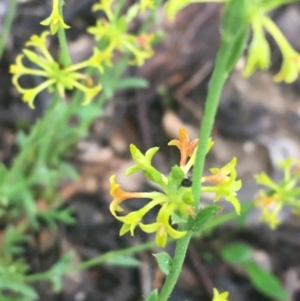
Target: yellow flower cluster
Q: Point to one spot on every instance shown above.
(176, 199)
(56, 76)
(259, 50)
(279, 195)
(113, 34)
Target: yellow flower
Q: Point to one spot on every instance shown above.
(145, 4)
(55, 20)
(219, 297)
(185, 146)
(56, 76)
(116, 37)
(259, 50)
(289, 69)
(291, 59)
(226, 184)
(105, 5)
(270, 206)
(162, 226)
(119, 196)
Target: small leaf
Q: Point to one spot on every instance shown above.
(133, 169)
(150, 153)
(164, 261)
(133, 82)
(236, 253)
(154, 175)
(265, 282)
(124, 261)
(204, 216)
(152, 296)
(137, 155)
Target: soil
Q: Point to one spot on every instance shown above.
(258, 122)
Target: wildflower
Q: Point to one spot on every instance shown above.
(259, 50)
(106, 7)
(271, 207)
(120, 195)
(185, 146)
(162, 227)
(146, 4)
(226, 184)
(218, 296)
(187, 149)
(176, 200)
(115, 36)
(131, 220)
(56, 76)
(291, 59)
(55, 20)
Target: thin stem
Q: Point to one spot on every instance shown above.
(178, 259)
(229, 51)
(217, 82)
(7, 25)
(94, 261)
(62, 39)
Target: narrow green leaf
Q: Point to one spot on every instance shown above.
(152, 296)
(137, 155)
(204, 216)
(164, 261)
(133, 82)
(133, 169)
(265, 282)
(236, 253)
(123, 261)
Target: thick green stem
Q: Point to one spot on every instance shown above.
(64, 56)
(7, 25)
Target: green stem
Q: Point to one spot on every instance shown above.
(64, 56)
(217, 82)
(94, 261)
(7, 25)
(178, 259)
(232, 43)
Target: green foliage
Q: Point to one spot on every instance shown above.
(264, 281)
(152, 296)
(164, 262)
(124, 261)
(204, 216)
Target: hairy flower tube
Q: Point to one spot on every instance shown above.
(114, 33)
(175, 199)
(55, 20)
(279, 195)
(57, 77)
